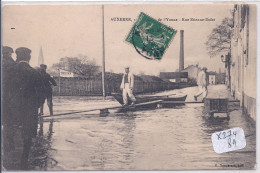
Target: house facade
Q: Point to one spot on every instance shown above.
(213, 78)
(193, 71)
(174, 76)
(243, 58)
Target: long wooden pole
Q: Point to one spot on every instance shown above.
(103, 60)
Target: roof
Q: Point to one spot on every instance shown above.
(211, 73)
(192, 66)
(173, 75)
(148, 78)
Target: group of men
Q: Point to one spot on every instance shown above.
(24, 90)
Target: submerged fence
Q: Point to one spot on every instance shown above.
(86, 87)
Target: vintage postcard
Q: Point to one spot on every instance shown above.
(128, 87)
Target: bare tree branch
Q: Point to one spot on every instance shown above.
(80, 65)
(220, 38)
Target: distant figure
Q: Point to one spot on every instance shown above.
(27, 96)
(202, 84)
(127, 86)
(48, 82)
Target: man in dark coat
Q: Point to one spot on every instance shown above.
(7, 64)
(27, 96)
(48, 82)
(27, 86)
(7, 118)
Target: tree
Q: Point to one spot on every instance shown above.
(220, 38)
(80, 65)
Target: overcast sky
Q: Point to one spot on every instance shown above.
(70, 30)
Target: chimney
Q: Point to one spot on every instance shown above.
(181, 61)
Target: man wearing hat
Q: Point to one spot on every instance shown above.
(48, 82)
(7, 63)
(202, 84)
(127, 85)
(7, 57)
(7, 118)
(27, 86)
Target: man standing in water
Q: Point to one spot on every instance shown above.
(202, 84)
(127, 86)
(48, 82)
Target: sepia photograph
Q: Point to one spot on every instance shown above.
(107, 87)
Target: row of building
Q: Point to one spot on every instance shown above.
(190, 73)
(241, 60)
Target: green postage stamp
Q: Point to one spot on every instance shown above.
(149, 37)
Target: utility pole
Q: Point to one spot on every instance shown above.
(103, 60)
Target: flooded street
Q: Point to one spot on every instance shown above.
(160, 139)
(129, 86)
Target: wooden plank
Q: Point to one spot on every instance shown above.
(137, 105)
(76, 112)
(178, 102)
(97, 109)
(234, 101)
(195, 102)
(146, 103)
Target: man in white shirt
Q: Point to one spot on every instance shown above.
(127, 85)
(202, 84)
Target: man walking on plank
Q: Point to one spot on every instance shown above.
(202, 84)
(127, 86)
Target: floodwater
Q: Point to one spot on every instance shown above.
(161, 139)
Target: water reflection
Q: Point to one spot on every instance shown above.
(115, 144)
(28, 152)
(17, 144)
(212, 124)
(13, 146)
(40, 157)
(127, 133)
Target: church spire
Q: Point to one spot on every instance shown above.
(40, 58)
